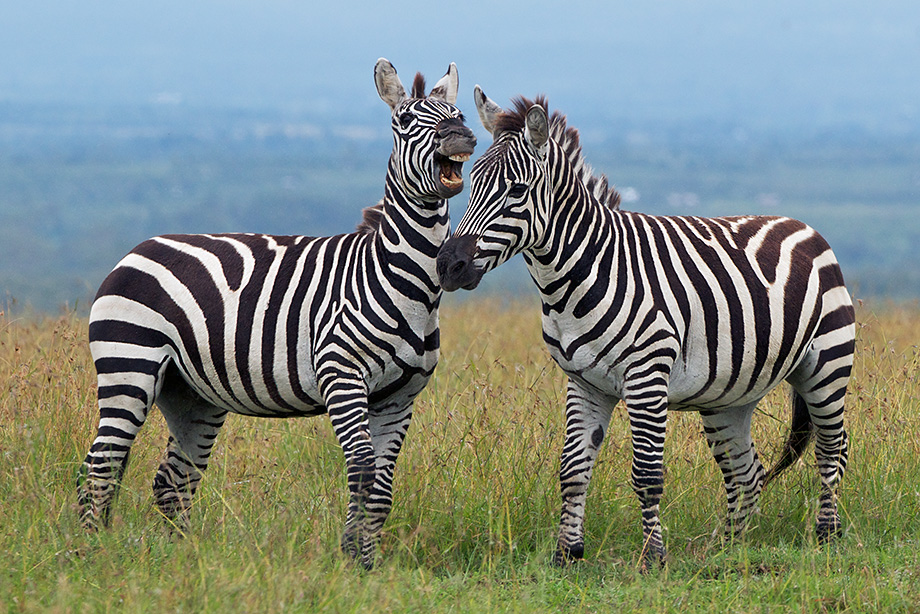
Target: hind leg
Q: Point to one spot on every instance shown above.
(729, 435)
(831, 446)
(821, 380)
(125, 398)
(824, 394)
(193, 427)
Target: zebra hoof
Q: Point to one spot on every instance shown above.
(734, 531)
(829, 530)
(89, 524)
(355, 558)
(652, 558)
(177, 528)
(352, 548)
(568, 555)
(92, 521)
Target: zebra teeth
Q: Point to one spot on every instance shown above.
(451, 169)
(460, 157)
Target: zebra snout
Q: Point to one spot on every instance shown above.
(455, 264)
(455, 126)
(454, 138)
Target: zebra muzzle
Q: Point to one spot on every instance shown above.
(455, 265)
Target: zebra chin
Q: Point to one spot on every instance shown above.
(455, 265)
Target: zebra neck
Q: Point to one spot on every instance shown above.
(578, 230)
(410, 234)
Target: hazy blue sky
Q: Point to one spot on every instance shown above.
(768, 64)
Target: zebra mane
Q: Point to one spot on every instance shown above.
(418, 86)
(567, 138)
(370, 219)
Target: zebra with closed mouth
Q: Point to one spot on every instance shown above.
(679, 313)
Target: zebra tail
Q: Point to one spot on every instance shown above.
(800, 433)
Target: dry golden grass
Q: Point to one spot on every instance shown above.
(476, 502)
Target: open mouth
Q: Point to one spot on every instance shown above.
(451, 170)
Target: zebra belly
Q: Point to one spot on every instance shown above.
(683, 391)
(692, 387)
(385, 390)
(243, 396)
(693, 383)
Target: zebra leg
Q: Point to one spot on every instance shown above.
(586, 421)
(346, 402)
(728, 432)
(387, 427)
(648, 411)
(193, 428)
(821, 379)
(825, 405)
(831, 447)
(125, 398)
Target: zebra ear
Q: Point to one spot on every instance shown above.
(446, 89)
(389, 87)
(536, 129)
(487, 109)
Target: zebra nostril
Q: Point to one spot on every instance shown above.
(457, 267)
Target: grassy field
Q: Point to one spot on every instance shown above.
(476, 502)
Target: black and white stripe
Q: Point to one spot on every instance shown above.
(283, 326)
(681, 313)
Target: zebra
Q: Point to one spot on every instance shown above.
(285, 326)
(663, 312)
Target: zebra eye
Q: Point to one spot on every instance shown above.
(405, 119)
(517, 190)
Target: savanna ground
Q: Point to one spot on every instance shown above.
(476, 496)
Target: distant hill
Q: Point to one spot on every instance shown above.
(80, 186)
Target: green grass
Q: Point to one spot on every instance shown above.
(476, 497)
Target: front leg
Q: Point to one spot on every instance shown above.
(345, 395)
(647, 406)
(586, 419)
(388, 428)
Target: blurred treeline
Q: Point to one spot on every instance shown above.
(79, 187)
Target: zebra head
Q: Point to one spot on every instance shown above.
(509, 189)
(431, 142)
